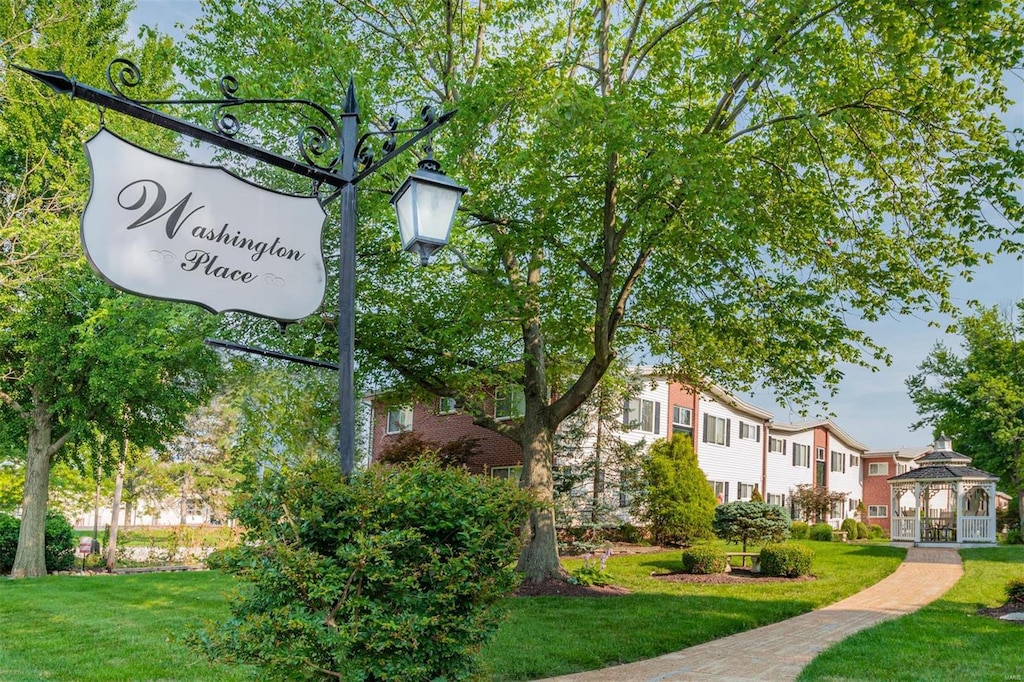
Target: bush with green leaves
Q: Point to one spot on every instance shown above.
(393, 575)
(9, 527)
(704, 560)
(798, 530)
(863, 532)
(876, 532)
(675, 501)
(787, 560)
(755, 523)
(60, 543)
(1015, 591)
(593, 571)
(822, 532)
(58, 548)
(849, 526)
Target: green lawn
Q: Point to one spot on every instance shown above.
(128, 627)
(946, 640)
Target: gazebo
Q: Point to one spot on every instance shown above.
(944, 500)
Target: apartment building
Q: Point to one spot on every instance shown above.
(739, 446)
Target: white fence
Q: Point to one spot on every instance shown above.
(976, 529)
(904, 528)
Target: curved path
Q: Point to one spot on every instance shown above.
(780, 651)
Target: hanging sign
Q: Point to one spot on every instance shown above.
(180, 231)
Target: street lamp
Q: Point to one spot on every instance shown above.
(426, 204)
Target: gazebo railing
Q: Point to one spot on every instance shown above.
(904, 528)
(975, 528)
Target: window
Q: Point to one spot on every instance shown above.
(445, 405)
(507, 473)
(878, 469)
(801, 455)
(509, 403)
(744, 491)
(721, 490)
(901, 469)
(399, 418)
(878, 511)
(779, 500)
(193, 507)
(853, 504)
(682, 416)
(750, 431)
(854, 460)
(716, 430)
(820, 454)
(642, 415)
(838, 461)
(776, 445)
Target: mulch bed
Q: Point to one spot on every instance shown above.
(999, 611)
(736, 575)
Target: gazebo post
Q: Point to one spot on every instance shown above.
(917, 511)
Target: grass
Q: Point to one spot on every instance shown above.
(129, 627)
(109, 628)
(946, 640)
(547, 636)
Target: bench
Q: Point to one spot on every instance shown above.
(839, 536)
(755, 560)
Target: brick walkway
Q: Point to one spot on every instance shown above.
(780, 651)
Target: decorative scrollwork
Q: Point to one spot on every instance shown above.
(226, 122)
(229, 86)
(391, 141)
(128, 75)
(315, 142)
(428, 114)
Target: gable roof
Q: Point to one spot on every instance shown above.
(827, 424)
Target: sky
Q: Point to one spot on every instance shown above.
(872, 407)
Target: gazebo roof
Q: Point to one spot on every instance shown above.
(943, 472)
(943, 464)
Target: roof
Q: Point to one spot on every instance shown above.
(908, 454)
(729, 399)
(943, 472)
(820, 423)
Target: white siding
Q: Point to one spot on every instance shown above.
(848, 482)
(783, 477)
(737, 462)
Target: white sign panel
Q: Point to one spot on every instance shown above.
(179, 231)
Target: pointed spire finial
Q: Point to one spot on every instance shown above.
(351, 104)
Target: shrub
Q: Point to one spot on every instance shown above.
(392, 575)
(1015, 537)
(220, 559)
(9, 527)
(629, 533)
(822, 532)
(798, 530)
(876, 531)
(59, 551)
(849, 526)
(675, 500)
(751, 522)
(59, 542)
(789, 561)
(1015, 591)
(703, 560)
(863, 532)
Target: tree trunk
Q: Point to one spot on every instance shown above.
(30, 559)
(116, 508)
(538, 560)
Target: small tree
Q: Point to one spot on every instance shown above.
(757, 523)
(815, 502)
(410, 446)
(676, 500)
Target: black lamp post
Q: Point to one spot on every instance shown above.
(425, 203)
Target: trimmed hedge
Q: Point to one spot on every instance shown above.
(849, 526)
(822, 532)
(59, 549)
(703, 560)
(876, 531)
(863, 532)
(1015, 591)
(798, 530)
(788, 561)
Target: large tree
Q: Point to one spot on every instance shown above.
(731, 186)
(78, 362)
(976, 396)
